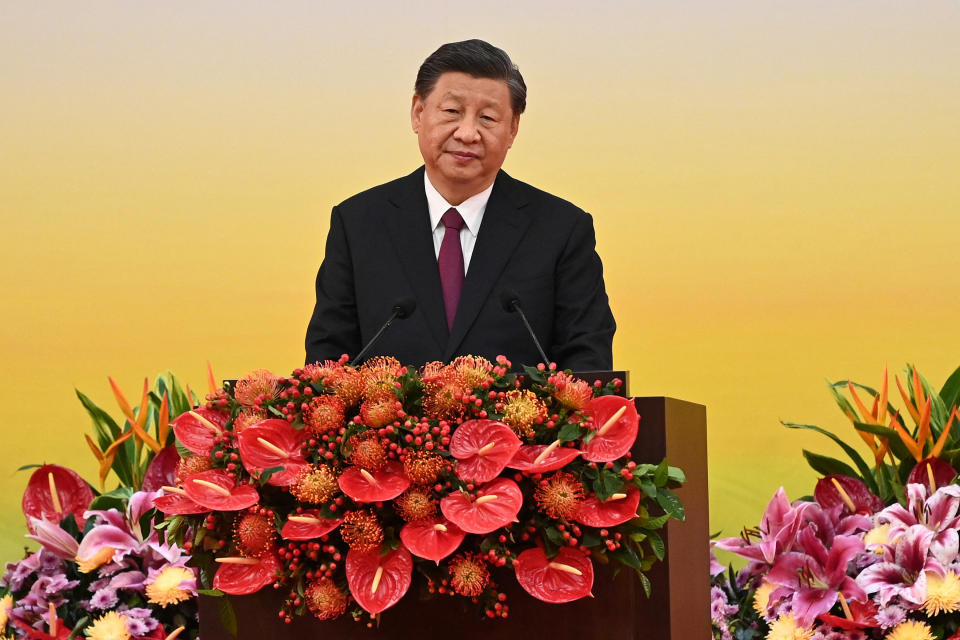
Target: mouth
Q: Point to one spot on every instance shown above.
(463, 156)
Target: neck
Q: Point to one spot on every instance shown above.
(456, 193)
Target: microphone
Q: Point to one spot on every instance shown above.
(402, 308)
(510, 302)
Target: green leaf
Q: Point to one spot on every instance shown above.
(228, 617)
(607, 484)
(649, 489)
(950, 393)
(826, 465)
(105, 428)
(116, 499)
(656, 544)
(645, 581)
(266, 474)
(656, 523)
(893, 438)
(535, 375)
(866, 472)
(671, 504)
(676, 474)
(77, 628)
(213, 593)
(661, 474)
(28, 466)
(628, 556)
(569, 432)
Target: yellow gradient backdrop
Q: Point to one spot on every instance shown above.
(774, 188)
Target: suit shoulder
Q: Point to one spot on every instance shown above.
(375, 196)
(541, 201)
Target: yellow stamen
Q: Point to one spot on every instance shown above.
(274, 448)
(376, 580)
(215, 487)
(485, 448)
(843, 495)
(612, 421)
(546, 452)
(57, 506)
(843, 604)
(176, 490)
(305, 519)
(439, 527)
(616, 496)
(487, 498)
(565, 568)
(238, 560)
(206, 423)
(933, 483)
(175, 633)
(368, 476)
(53, 620)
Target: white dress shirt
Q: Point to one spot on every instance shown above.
(471, 210)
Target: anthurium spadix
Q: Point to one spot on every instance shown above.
(53, 492)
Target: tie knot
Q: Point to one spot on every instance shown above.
(452, 219)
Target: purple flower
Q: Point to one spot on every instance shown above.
(104, 599)
(778, 530)
(132, 580)
(142, 614)
(891, 616)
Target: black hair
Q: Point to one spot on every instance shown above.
(477, 58)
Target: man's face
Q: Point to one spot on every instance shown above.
(465, 127)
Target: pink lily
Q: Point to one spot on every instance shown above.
(777, 533)
(938, 513)
(906, 576)
(816, 576)
(53, 538)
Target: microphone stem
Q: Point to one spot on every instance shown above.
(386, 325)
(533, 335)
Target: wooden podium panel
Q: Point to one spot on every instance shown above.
(679, 608)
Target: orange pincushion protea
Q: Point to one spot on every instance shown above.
(248, 418)
(521, 410)
(361, 531)
(559, 496)
(324, 414)
(254, 534)
(416, 504)
(571, 392)
(441, 388)
(189, 466)
(379, 413)
(325, 372)
(379, 375)
(423, 467)
(367, 451)
(469, 575)
(315, 485)
(257, 383)
(325, 600)
(474, 369)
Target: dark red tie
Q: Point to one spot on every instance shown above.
(450, 262)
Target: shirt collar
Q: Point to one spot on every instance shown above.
(471, 209)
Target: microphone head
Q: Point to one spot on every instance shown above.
(509, 300)
(404, 307)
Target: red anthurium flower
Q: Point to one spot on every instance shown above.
(616, 421)
(198, 428)
(174, 502)
(936, 471)
(540, 458)
(273, 443)
(837, 489)
(568, 577)
(496, 505)
(217, 490)
(241, 576)
(619, 508)
(53, 492)
(432, 538)
(483, 448)
(62, 630)
(862, 615)
(366, 486)
(308, 525)
(162, 470)
(377, 581)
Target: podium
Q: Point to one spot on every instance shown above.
(678, 609)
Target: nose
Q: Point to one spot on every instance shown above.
(467, 131)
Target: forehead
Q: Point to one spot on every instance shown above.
(463, 87)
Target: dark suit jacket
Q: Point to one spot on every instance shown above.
(380, 249)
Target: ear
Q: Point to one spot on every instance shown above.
(416, 111)
(514, 128)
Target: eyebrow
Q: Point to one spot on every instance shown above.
(459, 97)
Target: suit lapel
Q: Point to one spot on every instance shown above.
(504, 224)
(409, 227)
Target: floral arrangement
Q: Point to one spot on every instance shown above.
(341, 486)
(875, 552)
(102, 571)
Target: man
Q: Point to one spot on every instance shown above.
(458, 237)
